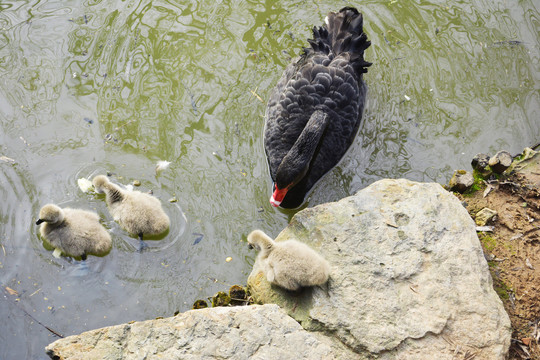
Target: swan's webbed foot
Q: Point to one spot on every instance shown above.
(142, 244)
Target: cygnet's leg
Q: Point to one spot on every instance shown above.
(82, 267)
(325, 287)
(142, 244)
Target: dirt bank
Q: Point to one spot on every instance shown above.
(513, 247)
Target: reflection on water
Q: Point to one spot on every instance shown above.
(118, 86)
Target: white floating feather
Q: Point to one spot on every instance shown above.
(85, 185)
(162, 165)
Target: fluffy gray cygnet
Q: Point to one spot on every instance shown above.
(289, 264)
(75, 232)
(138, 213)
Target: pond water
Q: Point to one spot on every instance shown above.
(89, 87)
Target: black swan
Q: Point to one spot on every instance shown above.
(314, 112)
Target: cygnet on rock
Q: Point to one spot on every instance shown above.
(289, 264)
(75, 232)
(138, 213)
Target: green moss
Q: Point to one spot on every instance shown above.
(502, 290)
(488, 242)
(500, 287)
(477, 185)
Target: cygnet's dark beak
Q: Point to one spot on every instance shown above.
(39, 221)
(250, 246)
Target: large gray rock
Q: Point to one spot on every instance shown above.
(246, 332)
(409, 279)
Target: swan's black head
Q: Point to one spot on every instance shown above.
(286, 178)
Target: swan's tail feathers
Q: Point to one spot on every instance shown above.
(343, 34)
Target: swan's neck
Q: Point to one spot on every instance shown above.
(114, 194)
(264, 243)
(295, 164)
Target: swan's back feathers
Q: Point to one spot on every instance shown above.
(342, 35)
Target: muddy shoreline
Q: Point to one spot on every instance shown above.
(512, 245)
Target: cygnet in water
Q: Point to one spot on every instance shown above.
(138, 213)
(289, 264)
(75, 232)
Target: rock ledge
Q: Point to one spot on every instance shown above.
(245, 332)
(409, 279)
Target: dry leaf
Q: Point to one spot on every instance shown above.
(7, 159)
(488, 189)
(484, 228)
(11, 291)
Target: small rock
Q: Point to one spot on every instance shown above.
(480, 161)
(199, 304)
(484, 216)
(500, 161)
(221, 299)
(238, 295)
(136, 183)
(461, 181)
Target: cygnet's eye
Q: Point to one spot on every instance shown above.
(250, 246)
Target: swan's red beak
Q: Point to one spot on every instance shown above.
(277, 196)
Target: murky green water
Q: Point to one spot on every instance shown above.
(90, 87)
